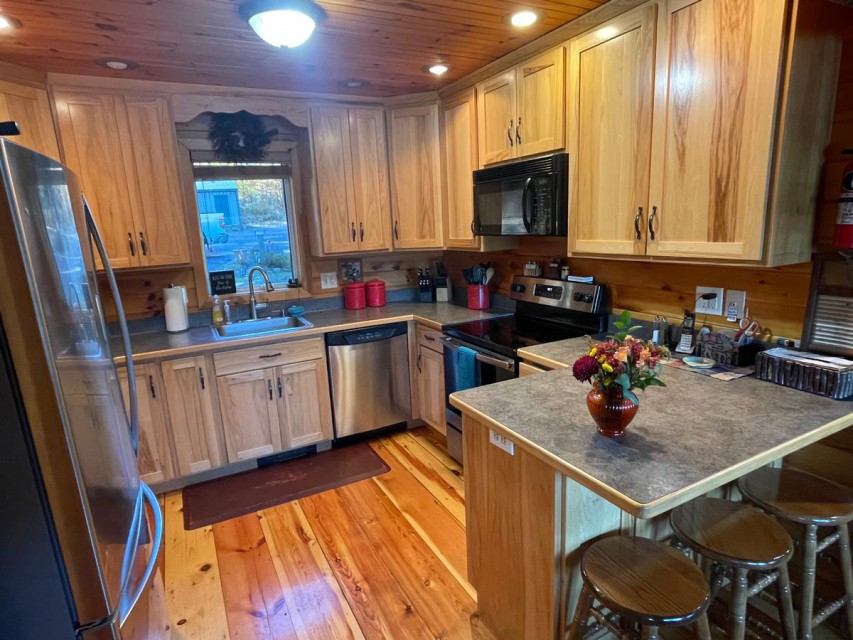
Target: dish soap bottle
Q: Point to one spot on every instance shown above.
(217, 315)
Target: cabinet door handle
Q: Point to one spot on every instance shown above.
(518, 131)
(201, 377)
(279, 386)
(269, 386)
(652, 223)
(420, 370)
(132, 245)
(396, 230)
(509, 133)
(151, 386)
(637, 223)
(361, 231)
(269, 355)
(143, 244)
(353, 231)
(430, 338)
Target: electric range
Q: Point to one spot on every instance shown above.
(546, 311)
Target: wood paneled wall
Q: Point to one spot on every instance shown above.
(776, 297)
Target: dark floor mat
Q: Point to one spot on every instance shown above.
(233, 496)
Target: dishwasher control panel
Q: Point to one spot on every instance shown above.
(371, 334)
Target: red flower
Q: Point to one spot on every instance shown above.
(585, 368)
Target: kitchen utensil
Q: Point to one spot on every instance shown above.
(490, 273)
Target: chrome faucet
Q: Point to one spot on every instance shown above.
(253, 306)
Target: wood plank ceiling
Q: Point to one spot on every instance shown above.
(384, 42)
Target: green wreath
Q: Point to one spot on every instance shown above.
(239, 137)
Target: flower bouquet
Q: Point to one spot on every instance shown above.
(615, 368)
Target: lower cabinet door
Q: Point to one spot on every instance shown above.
(249, 414)
(431, 388)
(187, 388)
(155, 448)
(304, 403)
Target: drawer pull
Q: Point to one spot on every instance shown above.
(652, 223)
(151, 386)
(279, 386)
(429, 337)
(637, 223)
(269, 386)
(420, 369)
(269, 355)
(201, 377)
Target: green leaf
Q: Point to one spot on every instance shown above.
(631, 396)
(624, 381)
(656, 382)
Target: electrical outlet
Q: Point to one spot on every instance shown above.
(710, 307)
(735, 308)
(328, 280)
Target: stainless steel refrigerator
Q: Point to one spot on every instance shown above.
(80, 533)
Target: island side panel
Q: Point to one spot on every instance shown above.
(514, 515)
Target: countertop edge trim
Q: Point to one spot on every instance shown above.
(525, 355)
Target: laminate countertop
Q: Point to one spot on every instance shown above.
(691, 437)
(197, 340)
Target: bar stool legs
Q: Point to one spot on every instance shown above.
(809, 571)
(783, 601)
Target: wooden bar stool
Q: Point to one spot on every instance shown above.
(737, 539)
(814, 502)
(641, 582)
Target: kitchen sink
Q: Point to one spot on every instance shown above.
(262, 325)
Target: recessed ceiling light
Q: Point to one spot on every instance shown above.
(117, 64)
(523, 18)
(8, 24)
(353, 83)
(283, 23)
(438, 69)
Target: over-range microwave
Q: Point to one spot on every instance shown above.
(524, 198)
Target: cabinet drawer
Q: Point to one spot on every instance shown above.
(273, 355)
(429, 339)
(527, 369)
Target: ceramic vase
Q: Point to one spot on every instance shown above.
(610, 409)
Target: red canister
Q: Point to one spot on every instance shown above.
(376, 293)
(354, 296)
(478, 296)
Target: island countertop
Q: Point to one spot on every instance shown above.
(693, 436)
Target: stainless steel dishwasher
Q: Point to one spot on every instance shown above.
(369, 371)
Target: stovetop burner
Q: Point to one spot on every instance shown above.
(546, 311)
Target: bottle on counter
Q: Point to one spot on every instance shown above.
(217, 315)
(226, 311)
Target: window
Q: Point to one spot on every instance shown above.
(246, 219)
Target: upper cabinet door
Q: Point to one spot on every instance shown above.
(496, 118)
(541, 113)
(330, 135)
(460, 158)
(611, 89)
(718, 68)
(153, 170)
(416, 177)
(92, 148)
(30, 108)
(370, 178)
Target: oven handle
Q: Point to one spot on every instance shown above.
(503, 363)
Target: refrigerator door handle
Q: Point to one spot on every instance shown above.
(133, 418)
(156, 543)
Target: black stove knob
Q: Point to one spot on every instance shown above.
(518, 288)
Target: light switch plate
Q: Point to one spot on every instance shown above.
(501, 442)
(328, 280)
(735, 305)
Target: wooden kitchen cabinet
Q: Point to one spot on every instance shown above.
(304, 406)
(721, 178)
(521, 112)
(249, 416)
(30, 108)
(430, 379)
(611, 93)
(155, 447)
(460, 161)
(123, 150)
(416, 177)
(351, 165)
(189, 397)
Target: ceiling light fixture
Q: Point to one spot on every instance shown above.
(283, 23)
(8, 24)
(117, 64)
(523, 18)
(438, 69)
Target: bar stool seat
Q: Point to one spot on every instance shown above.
(814, 502)
(737, 538)
(642, 582)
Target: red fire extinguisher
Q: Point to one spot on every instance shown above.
(844, 224)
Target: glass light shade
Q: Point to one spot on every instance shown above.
(438, 69)
(283, 27)
(523, 18)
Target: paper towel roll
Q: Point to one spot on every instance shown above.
(175, 299)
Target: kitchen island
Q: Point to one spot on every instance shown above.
(541, 483)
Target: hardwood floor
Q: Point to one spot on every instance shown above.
(382, 558)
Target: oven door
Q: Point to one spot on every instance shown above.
(490, 368)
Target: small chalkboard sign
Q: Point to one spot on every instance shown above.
(222, 282)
